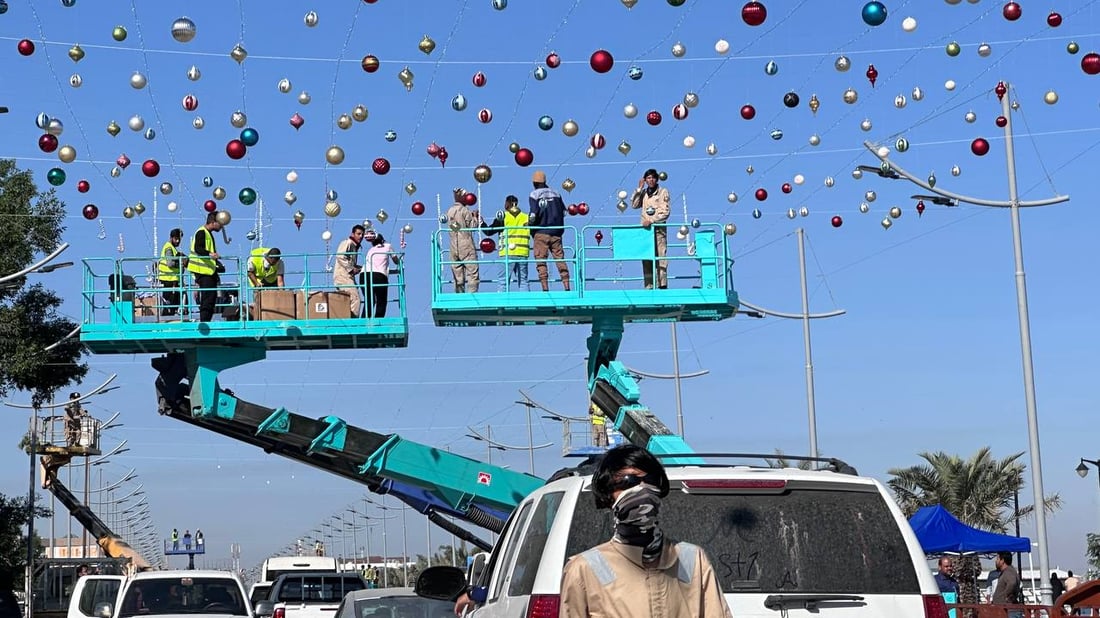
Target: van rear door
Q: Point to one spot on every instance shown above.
(93, 590)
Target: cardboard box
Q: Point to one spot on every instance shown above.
(339, 305)
(146, 306)
(316, 306)
(275, 304)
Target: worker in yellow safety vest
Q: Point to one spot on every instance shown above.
(515, 245)
(599, 425)
(265, 268)
(203, 265)
(170, 273)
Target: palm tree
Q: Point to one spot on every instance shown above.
(979, 491)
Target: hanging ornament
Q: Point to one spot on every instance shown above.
(136, 123)
(483, 173)
(909, 24)
(299, 216)
(238, 53)
(198, 122)
(850, 96)
(756, 214)
(418, 208)
(568, 185)
(1090, 63)
(370, 63)
(712, 149)
(895, 212)
(76, 53)
(479, 79)
(75, 80)
(426, 45)
(194, 73)
(553, 60)
(165, 188)
(678, 50)
(290, 198)
(183, 30)
(920, 208)
(955, 170)
(238, 119)
(297, 121)
(932, 179)
(791, 214)
(601, 61)
(918, 94)
(777, 134)
(899, 101)
(761, 194)
(842, 64)
(382, 216)
(1051, 97)
(979, 146)
(359, 113)
(970, 116)
(771, 68)
(1012, 11)
(886, 223)
(119, 33)
(390, 136)
(857, 173)
(406, 77)
(653, 118)
(123, 161)
(864, 208)
(1054, 19)
(984, 50)
(953, 49)
(219, 193)
(872, 74)
(90, 212)
(570, 128)
(332, 209)
(829, 182)
(624, 147)
(870, 196)
(334, 155)
(343, 121)
(150, 168)
(247, 196)
(754, 13)
(814, 104)
(598, 237)
(524, 157)
(791, 99)
(235, 149)
(630, 110)
(874, 13)
(901, 145)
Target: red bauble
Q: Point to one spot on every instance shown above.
(786, 188)
(25, 47)
(1012, 11)
(598, 141)
(418, 208)
(487, 245)
(235, 149)
(469, 198)
(748, 112)
(761, 194)
(754, 13)
(209, 205)
(1091, 63)
(553, 60)
(582, 209)
(479, 79)
(190, 102)
(380, 166)
(1054, 19)
(979, 146)
(434, 149)
(91, 211)
(150, 168)
(837, 221)
(653, 118)
(601, 61)
(485, 115)
(83, 186)
(297, 121)
(370, 63)
(524, 157)
(47, 143)
(1001, 121)
(572, 209)
(920, 207)
(1000, 90)
(679, 111)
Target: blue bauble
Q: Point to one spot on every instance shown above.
(500, 5)
(874, 13)
(635, 73)
(546, 123)
(391, 136)
(250, 137)
(3, 7)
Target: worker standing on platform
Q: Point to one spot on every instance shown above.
(377, 264)
(175, 539)
(654, 200)
(187, 540)
(74, 414)
(203, 266)
(515, 245)
(170, 273)
(599, 425)
(265, 268)
(199, 540)
(345, 274)
(463, 221)
(547, 221)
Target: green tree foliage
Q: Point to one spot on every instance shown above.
(1092, 550)
(32, 224)
(979, 491)
(13, 538)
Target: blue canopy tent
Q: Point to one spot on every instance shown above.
(940, 533)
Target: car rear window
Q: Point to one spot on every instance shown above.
(317, 588)
(402, 607)
(800, 541)
(183, 595)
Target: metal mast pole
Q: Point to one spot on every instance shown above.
(29, 587)
(811, 406)
(676, 381)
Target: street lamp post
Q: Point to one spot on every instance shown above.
(1014, 204)
(1083, 471)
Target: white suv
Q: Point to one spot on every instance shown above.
(783, 541)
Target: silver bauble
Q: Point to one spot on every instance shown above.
(284, 85)
(870, 196)
(630, 110)
(895, 212)
(194, 73)
(183, 30)
(864, 207)
(238, 119)
(198, 122)
(136, 123)
(842, 64)
(304, 98)
(138, 81)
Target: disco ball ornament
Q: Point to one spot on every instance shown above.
(390, 136)
(524, 157)
(138, 81)
(1050, 98)
(630, 110)
(771, 68)
(183, 30)
(895, 212)
(370, 63)
(546, 123)
(56, 176)
(842, 64)
(136, 123)
(850, 96)
(634, 73)
(198, 122)
(334, 155)
(67, 154)
(653, 118)
(874, 13)
(483, 173)
(748, 112)
(601, 61)
(678, 50)
(540, 73)
(119, 33)
(984, 50)
(1012, 11)
(150, 168)
(458, 103)
(979, 147)
(238, 119)
(247, 196)
(570, 128)
(754, 13)
(194, 73)
(90, 211)
(235, 149)
(332, 209)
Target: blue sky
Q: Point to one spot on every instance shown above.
(926, 358)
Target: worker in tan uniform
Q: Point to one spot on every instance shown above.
(653, 200)
(463, 223)
(638, 573)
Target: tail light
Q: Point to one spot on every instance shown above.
(544, 606)
(280, 612)
(934, 606)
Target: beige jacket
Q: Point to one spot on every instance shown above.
(659, 201)
(609, 581)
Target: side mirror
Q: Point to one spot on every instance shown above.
(104, 610)
(441, 583)
(264, 608)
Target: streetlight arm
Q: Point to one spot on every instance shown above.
(46, 260)
(1057, 199)
(792, 316)
(505, 447)
(97, 390)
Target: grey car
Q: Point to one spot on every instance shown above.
(392, 603)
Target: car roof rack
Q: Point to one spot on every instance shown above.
(832, 463)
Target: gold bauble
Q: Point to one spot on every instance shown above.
(483, 173)
(224, 217)
(344, 121)
(334, 155)
(76, 53)
(426, 45)
(513, 147)
(332, 209)
(67, 154)
(219, 193)
(128, 212)
(359, 114)
(568, 184)
(139, 208)
(570, 128)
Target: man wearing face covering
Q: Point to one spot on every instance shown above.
(638, 573)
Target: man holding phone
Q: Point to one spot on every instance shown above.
(653, 200)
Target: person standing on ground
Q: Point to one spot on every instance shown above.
(463, 250)
(377, 264)
(203, 266)
(639, 572)
(345, 273)
(1009, 589)
(945, 577)
(170, 273)
(653, 200)
(547, 222)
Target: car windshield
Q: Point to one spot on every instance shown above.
(183, 595)
(400, 607)
(799, 541)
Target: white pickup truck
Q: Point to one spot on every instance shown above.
(168, 594)
(308, 595)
